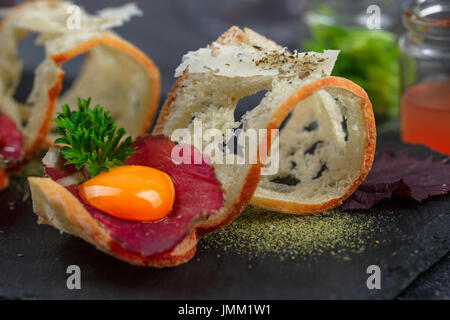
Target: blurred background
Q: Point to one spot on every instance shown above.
(387, 47)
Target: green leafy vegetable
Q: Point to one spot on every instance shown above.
(370, 58)
(92, 138)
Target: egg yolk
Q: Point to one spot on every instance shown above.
(135, 193)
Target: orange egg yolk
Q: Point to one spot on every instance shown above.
(135, 193)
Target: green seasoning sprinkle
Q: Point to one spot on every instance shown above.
(287, 63)
(257, 232)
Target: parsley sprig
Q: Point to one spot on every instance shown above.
(92, 139)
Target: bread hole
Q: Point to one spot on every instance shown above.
(232, 144)
(31, 55)
(288, 179)
(319, 173)
(293, 164)
(243, 106)
(248, 103)
(311, 150)
(192, 119)
(344, 127)
(72, 69)
(313, 126)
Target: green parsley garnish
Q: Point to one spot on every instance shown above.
(92, 138)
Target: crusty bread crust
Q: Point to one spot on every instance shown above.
(33, 148)
(236, 36)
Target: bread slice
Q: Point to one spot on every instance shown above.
(115, 73)
(327, 142)
(57, 207)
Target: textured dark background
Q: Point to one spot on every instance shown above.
(410, 265)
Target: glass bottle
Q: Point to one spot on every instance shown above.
(425, 74)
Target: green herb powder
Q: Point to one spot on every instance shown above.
(258, 232)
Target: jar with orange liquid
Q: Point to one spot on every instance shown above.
(425, 74)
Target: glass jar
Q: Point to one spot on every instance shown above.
(425, 74)
(369, 53)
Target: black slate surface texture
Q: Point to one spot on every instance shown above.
(432, 284)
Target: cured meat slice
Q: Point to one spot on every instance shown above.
(197, 195)
(11, 143)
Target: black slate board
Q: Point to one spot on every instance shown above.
(421, 239)
(432, 284)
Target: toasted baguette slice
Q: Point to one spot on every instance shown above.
(56, 204)
(115, 73)
(57, 207)
(326, 146)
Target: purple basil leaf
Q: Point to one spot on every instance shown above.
(394, 172)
